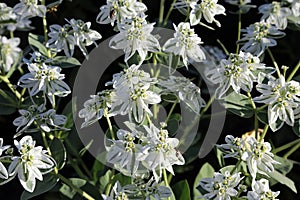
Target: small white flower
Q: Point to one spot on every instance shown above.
(185, 44)
(261, 190)
(26, 119)
(234, 147)
(30, 8)
(208, 9)
(83, 34)
(132, 93)
(237, 72)
(119, 10)
(3, 170)
(135, 37)
(162, 153)
(50, 121)
(61, 39)
(258, 157)
(259, 36)
(10, 52)
(94, 108)
(275, 14)
(281, 97)
(46, 79)
(295, 7)
(186, 91)
(32, 163)
(221, 186)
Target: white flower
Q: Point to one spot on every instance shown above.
(119, 10)
(135, 37)
(46, 79)
(132, 94)
(295, 7)
(221, 186)
(237, 72)
(281, 97)
(258, 157)
(208, 9)
(186, 90)
(3, 170)
(259, 36)
(22, 23)
(117, 192)
(32, 163)
(243, 5)
(162, 153)
(83, 34)
(275, 14)
(234, 147)
(185, 44)
(125, 153)
(61, 39)
(94, 108)
(261, 190)
(50, 121)
(10, 52)
(26, 119)
(30, 8)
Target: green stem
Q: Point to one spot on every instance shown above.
(11, 34)
(161, 12)
(239, 32)
(274, 62)
(264, 133)
(292, 150)
(210, 101)
(78, 190)
(255, 114)
(236, 166)
(48, 148)
(11, 87)
(223, 47)
(43, 2)
(109, 123)
(293, 72)
(166, 180)
(286, 146)
(75, 166)
(168, 13)
(108, 187)
(171, 111)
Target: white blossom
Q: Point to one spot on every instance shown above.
(275, 14)
(261, 190)
(46, 79)
(186, 91)
(185, 44)
(162, 153)
(30, 8)
(133, 93)
(258, 157)
(119, 10)
(32, 163)
(135, 37)
(234, 147)
(258, 37)
(282, 99)
(207, 9)
(10, 52)
(221, 186)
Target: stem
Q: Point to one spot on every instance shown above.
(274, 62)
(108, 187)
(293, 72)
(161, 12)
(11, 34)
(78, 190)
(48, 148)
(76, 168)
(255, 115)
(166, 180)
(292, 150)
(223, 47)
(239, 32)
(286, 146)
(171, 111)
(208, 105)
(43, 2)
(236, 166)
(11, 87)
(168, 13)
(264, 133)
(109, 124)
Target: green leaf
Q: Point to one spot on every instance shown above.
(220, 156)
(206, 171)
(169, 97)
(296, 128)
(173, 123)
(124, 180)
(58, 152)
(239, 104)
(105, 180)
(262, 116)
(49, 181)
(8, 103)
(283, 180)
(182, 190)
(285, 165)
(36, 42)
(65, 62)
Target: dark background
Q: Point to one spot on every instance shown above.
(286, 53)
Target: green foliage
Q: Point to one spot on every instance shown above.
(181, 190)
(58, 152)
(239, 104)
(206, 171)
(8, 103)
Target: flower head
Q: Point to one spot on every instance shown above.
(185, 44)
(259, 36)
(221, 186)
(261, 190)
(30, 8)
(234, 147)
(10, 53)
(32, 163)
